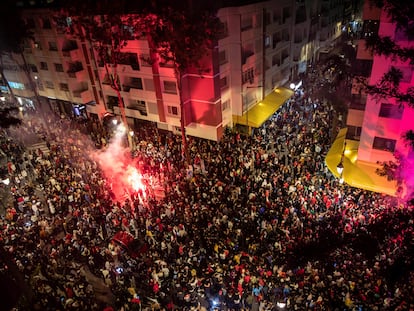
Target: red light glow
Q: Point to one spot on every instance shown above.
(135, 179)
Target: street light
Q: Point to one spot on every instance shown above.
(340, 166)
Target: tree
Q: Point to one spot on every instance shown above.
(183, 36)
(402, 14)
(108, 34)
(388, 86)
(178, 32)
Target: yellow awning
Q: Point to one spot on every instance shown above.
(356, 173)
(259, 113)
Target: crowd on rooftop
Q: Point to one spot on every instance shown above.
(248, 223)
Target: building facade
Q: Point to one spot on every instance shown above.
(266, 45)
(375, 126)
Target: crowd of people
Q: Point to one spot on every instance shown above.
(246, 223)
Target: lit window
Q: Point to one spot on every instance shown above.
(16, 85)
(222, 57)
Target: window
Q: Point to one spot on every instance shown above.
(391, 111)
(170, 87)
(285, 55)
(30, 23)
(132, 82)
(111, 101)
(246, 23)
(370, 28)
(130, 59)
(223, 83)
(145, 60)
(224, 31)
(286, 14)
(354, 132)
(37, 45)
(248, 76)
(247, 51)
(402, 35)
(300, 15)
(40, 85)
(43, 66)
(49, 85)
(46, 23)
(173, 110)
(276, 39)
(32, 67)
(58, 67)
(16, 85)
(225, 105)
(285, 35)
(222, 57)
(276, 16)
(276, 60)
(384, 144)
(64, 87)
(52, 46)
(267, 18)
(138, 105)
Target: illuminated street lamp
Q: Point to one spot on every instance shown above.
(340, 168)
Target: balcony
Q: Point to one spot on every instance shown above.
(83, 96)
(76, 71)
(74, 55)
(137, 93)
(78, 75)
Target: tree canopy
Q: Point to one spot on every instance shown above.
(401, 13)
(388, 86)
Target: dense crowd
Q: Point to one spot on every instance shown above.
(248, 223)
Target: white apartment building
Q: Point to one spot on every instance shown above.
(265, 47)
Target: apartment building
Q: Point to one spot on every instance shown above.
(375, 127)
(266, 46)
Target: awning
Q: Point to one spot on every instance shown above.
(356, 173)
(262, 111)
